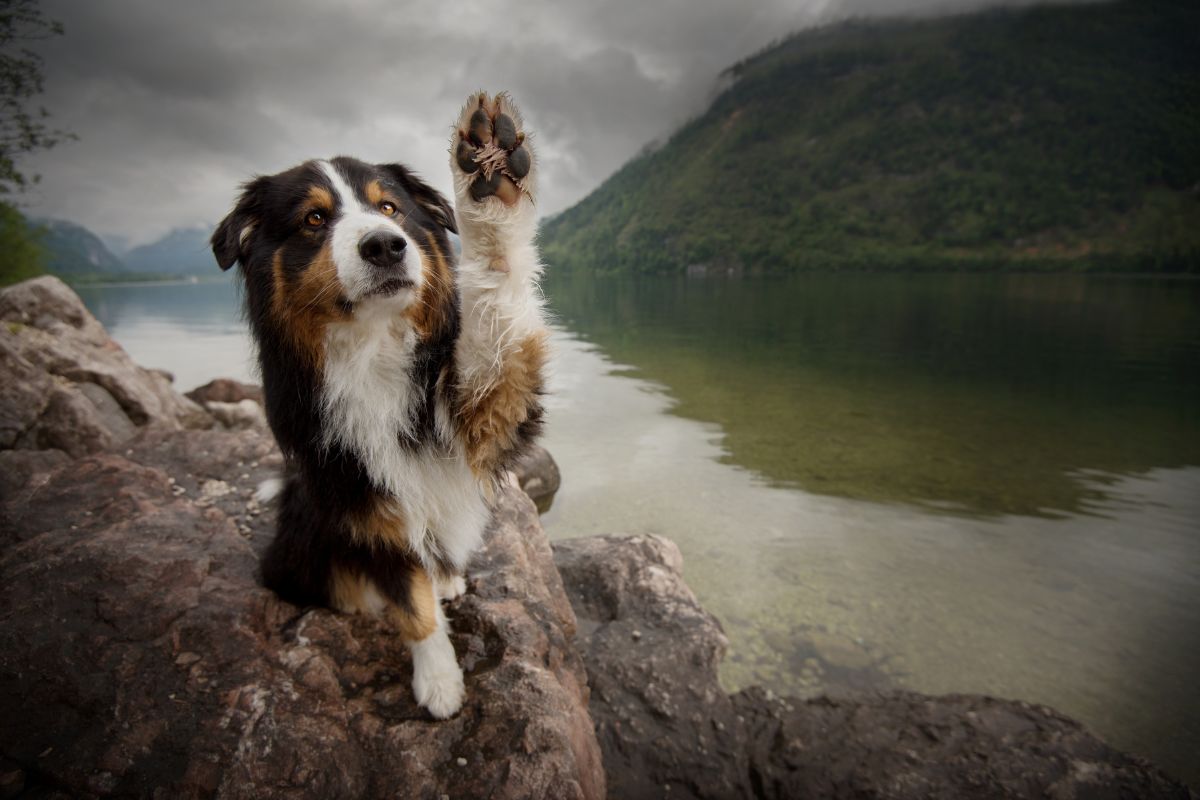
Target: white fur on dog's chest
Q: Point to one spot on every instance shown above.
(368, 401)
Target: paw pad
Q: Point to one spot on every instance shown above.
(490, 143)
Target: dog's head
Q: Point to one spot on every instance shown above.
(327, 238)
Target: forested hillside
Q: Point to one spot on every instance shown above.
(1052, 137)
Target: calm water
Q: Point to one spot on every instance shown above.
(945, 483)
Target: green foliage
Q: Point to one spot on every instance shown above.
(21, 254)
(1040, 138)
(23, 128)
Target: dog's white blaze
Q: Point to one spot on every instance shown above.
(356, 220)
(368, 404)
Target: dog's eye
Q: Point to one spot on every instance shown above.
(388, 208)
(315, 219)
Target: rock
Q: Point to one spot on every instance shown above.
(538, 477)
(668, 731)
(53, 331)
(21, 468)
(652, 654)
(232, 403)
(108, 411)
(907, 745)
(69, 422)
(139, 655)
(239, 416)
(225, 390)
(839, 651)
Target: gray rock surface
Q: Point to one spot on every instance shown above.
(539, 477)
(225, 390)
(72, 387)
(667, 729)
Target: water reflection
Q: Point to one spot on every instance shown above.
(194, 331)
(974, 394)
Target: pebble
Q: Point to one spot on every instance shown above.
(462, 762)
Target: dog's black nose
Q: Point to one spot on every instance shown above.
(384, 249)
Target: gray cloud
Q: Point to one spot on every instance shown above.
(177, 103)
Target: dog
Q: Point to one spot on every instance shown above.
(400, 382)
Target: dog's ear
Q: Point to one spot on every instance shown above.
(428, 198)
(230, 238)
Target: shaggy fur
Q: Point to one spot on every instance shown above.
(398, 384)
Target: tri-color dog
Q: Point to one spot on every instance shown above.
(399, 383)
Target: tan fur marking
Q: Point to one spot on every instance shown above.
(375, 193)
(351, 593)
(489, 424)
(381, 526)
(421, 621)
(320, 198)
(303, 306)
(348, 592)
(429, 314)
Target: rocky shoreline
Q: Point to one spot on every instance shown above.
(139, 657)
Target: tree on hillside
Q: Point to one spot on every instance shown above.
(24, 128)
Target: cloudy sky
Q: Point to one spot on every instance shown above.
(176, 103)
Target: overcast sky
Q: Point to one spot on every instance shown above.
(176, 103)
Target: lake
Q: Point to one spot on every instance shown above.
(942, 482)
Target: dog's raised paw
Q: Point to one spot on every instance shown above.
(491, 150)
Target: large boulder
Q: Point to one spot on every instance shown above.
(665, 725)
(72, 387)
(668, 731)
(909, 745)
(140, 657)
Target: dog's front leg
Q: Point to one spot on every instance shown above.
(501, 350)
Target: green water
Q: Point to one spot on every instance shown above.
(984, 395)
(939, 482)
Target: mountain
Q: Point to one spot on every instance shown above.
(73, 250)
(1043, 137)
(182, 251)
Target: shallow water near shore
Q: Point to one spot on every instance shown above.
(939, 482)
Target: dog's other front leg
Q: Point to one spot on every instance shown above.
(502, 348)
(437, 678)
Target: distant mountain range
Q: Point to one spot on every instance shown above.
(183, 251)
(74, 251)
(1037, 138)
